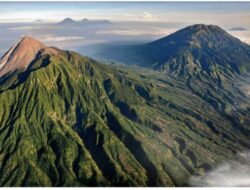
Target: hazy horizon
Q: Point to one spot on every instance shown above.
(131, 21)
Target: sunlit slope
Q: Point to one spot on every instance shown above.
(70, 121)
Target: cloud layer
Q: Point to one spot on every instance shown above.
(74, 38)
(62, 38)
(242, 35)
(228, 174)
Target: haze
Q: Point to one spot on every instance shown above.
(130, 22)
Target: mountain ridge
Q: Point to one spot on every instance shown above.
(85, 21)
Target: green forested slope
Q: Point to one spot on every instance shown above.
(70, 121)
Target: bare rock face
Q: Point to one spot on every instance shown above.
(22, 54)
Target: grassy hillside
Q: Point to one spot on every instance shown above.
(70, 121)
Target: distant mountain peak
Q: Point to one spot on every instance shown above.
(67, 21)
(85, 20)
(19, 56)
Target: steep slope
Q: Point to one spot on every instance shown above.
(22, 54)
(68, 120)
(197, 49)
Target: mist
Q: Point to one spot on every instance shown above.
(86, 39)
(228, 174)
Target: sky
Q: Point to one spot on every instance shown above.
(131, 21)
(221, 13)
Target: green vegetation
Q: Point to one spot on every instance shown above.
(71, 121)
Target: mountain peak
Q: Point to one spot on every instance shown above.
(85, 20)
(200, 35)
(66, 21)
(21, 55)
(199, 47)
(33, 43)
(202, 29)
(193, 50)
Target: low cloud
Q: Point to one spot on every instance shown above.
(148, 15)
(25, 28)
(138, 32)
(144, 16)
(244, 36)
(228, 174)
(121, 32)
(62, 38)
